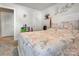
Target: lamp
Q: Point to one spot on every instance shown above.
(47, 16)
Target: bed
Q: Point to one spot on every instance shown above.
(49, 42)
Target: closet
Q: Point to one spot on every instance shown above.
(6, 22)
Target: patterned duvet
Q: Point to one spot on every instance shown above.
(50, 42)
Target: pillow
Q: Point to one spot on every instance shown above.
(57, 25)
(67, 25)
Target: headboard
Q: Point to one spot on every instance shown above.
(66, 25)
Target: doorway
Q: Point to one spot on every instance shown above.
(6, 22)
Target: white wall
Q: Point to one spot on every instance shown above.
(63, 13)
(37, 20)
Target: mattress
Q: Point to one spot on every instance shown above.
(49, 42)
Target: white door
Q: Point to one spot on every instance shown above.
(7, 20)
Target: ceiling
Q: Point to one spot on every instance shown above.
(38, 6)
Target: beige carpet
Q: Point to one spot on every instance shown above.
(8, 46)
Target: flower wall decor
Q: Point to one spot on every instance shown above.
(64, 8)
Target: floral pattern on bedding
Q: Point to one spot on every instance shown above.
(43, 39)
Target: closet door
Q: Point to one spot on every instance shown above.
(7, 24)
